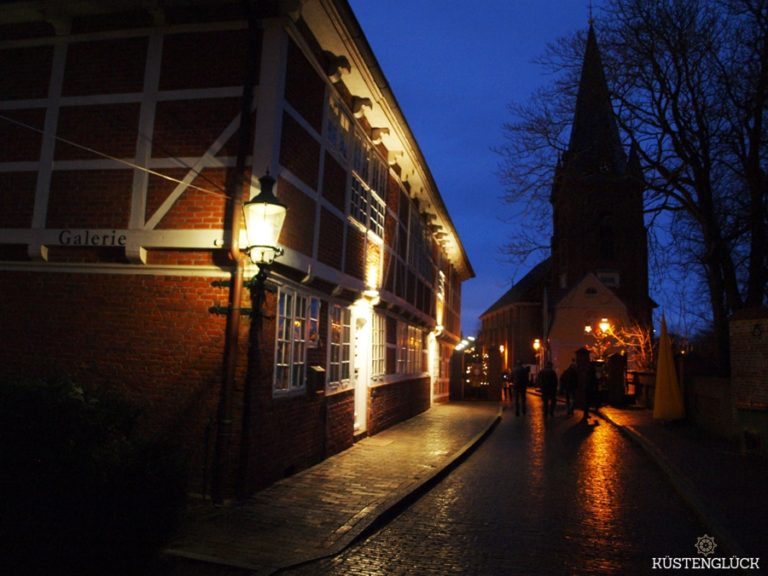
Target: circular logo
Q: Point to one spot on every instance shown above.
(705, 545)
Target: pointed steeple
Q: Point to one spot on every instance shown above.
(594, 146)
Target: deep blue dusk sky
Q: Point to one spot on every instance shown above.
(454, 68)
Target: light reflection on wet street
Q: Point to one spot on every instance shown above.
(539, 496)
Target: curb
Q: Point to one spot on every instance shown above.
(391, 508)
(381, 514)
(685, 489)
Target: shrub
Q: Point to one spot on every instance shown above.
(80, 490)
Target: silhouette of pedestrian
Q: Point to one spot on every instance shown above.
(586, 390)
(548, 383)
(520, 376)
(569, 380)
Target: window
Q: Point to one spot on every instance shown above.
(297, 316)
(379, 346)
(410, 349)
(340, 345)
(370, 171)
(610, 279)
(418, 247)
(368, 186)
(337, 128)
(402, 348)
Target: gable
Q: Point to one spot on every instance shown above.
(591, 293)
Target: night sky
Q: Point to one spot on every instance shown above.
(454, 71)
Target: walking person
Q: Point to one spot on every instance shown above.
(569, 380)
(587, 382)
(548, 383)
(520, 376)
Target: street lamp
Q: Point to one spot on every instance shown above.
(264, 218)
(601, 336)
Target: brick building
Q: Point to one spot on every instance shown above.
(120, 236)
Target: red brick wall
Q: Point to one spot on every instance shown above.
(194, 209)
(304, 89)
(340, 421)
(331, 247)
(16, 142)
(223, 55)
(298, 232)
(334, 182)
(95, 199)
(189, 127)
(393, 403)
(355, 261)
(17, 196)
(25, 71)
(111, 128)
(299, 152)
(149, 338)
(105, 67)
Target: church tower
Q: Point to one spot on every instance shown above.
(597, 200)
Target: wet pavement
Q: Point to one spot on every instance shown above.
(321, 510)
(552, 496)
(726, 488)
(535, 497)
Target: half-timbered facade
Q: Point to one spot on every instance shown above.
(120, 253)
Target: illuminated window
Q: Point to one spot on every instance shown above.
(297, 316)
(337, 127)
(340, 345)
(368, 186)
(402, 348)
(411, 352)
(379, 348)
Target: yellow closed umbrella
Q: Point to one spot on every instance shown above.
(668, 398)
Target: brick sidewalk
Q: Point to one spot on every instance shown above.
(727, 490)
(321, 510)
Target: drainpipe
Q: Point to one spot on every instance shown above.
(221, 459)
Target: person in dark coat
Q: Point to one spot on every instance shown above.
(569, 380)
(586, 390)
(548, 383)
(520, 376)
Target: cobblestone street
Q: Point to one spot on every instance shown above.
(538, 497)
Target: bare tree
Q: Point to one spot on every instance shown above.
(689, 79)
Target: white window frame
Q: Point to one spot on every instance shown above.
(402, 348)
(338, 127)
(297, 315)
(411, 352)
(339, 347)
(378, 346)
(368, 188)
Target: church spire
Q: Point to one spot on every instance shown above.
(594, 144)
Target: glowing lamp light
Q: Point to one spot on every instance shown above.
(537, 344)
(604, 325)
(264, 218)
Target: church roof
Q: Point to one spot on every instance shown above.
(594, 145)
(528, 289)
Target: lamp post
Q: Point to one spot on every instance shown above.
(601, 336)
(537, 350)
(264, 218)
